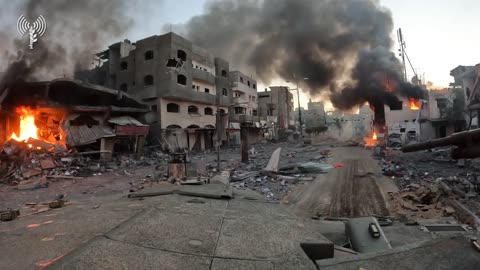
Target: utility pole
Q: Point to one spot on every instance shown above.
(219, 137)
(298, 102)
(403, 45)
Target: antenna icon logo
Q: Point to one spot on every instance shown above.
(34, 30)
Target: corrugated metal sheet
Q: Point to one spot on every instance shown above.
(82, 135)
(125, 121)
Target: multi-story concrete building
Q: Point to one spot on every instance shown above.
(243, 109)
(184, 85)
(276, 106)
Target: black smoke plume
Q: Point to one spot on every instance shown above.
(343, 47)
(75, 31)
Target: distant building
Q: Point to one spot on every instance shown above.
(243, 108)
(314, 116)
(276, 106)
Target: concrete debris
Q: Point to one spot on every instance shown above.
(309, 167)
(9, 214)
(274, 161)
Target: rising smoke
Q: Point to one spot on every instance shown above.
(343, 47)
(75, 30)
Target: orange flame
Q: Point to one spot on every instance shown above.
(371, 141)
(414, 104)
(28, 129)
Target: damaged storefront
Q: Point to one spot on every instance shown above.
(69, 116)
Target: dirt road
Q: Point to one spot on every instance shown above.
(357, 189)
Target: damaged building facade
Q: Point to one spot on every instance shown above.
(276, 108)
(184, 85)
(243, 111)
(60, 114)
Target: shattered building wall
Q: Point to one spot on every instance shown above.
(183, 96)
(278, 102)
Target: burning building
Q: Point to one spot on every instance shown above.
(63, 114)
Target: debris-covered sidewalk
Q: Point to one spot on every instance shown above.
(433, 185)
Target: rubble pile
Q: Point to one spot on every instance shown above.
(432, 185)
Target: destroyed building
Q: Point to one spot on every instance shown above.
(184, 85)
(276, 106)
(466, 78)
(60, 114)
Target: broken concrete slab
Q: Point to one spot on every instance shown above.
(272, 165)
(47, 163)
(33, 184)
(29, 172)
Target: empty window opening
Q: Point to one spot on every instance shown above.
(174, 127)
(192, 109)
(207, 90)
(240, 110)
(208, 111)
(254, 86)
(222, 111)
(123, 65)
(173, 107)
(148, 80)
(154, 108)
(248, 83)
(182, 55)
(193, 86)
(224, 92)
(254, 112)
(148, 55)
(224, 73)
(123, 87)
(198, 88)
(241, 79)
(182, 79)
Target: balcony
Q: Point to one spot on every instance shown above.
(243, 118)
(202, 75)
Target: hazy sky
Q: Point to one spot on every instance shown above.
(440, 34)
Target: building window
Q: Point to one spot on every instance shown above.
(224, 92)
(208, 111)
(222, 111)
(198, 88)
(248, 83)
(148, 80)
(253, 99)
(181, 79)
(154, 108)
(173, 107)
(196, 66)
(207, 90)
(174, 127)
(254, 86)
(241, 79)
(239, 110)
(254, 112)
(123, 65)
(193, 86)
(224, 73)
(192, 109)
(123, 87)
(148, 55)
(237, 95)
(182, 55)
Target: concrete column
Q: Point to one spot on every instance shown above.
(106, 148)
(202, 141)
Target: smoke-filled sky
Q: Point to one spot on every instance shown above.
(437, 32)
